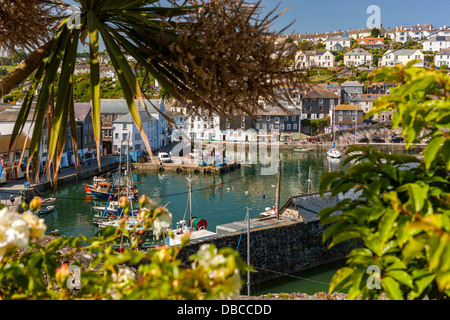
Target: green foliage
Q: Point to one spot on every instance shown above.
(375, 32)
(401, 217)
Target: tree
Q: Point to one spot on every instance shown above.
(401, 215)
(218, 54)
(375, 32)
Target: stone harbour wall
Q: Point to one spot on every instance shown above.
(284, 248)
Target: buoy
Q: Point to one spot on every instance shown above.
(246, 192)
(228, 189)
(264, 196)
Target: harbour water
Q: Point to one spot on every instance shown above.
(218, 199)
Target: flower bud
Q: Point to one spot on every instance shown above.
(35, 204)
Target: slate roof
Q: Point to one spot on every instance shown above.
(311, 204)
(351, 84)
(357, 52)
(320, 94)
(128, 119)
(119, 106)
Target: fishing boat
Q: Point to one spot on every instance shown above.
(303, 149)
(45, 210)
(121, 186)
(112, 209)
(97, 181)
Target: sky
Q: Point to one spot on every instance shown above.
(313, 16)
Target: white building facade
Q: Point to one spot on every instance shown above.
(358, 57)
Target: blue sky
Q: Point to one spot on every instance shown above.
(327, 15)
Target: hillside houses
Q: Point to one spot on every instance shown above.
(358, 57)
(394, 57)
(314, 59)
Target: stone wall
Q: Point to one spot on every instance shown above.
(284, 248)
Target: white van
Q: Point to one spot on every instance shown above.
(164, 157)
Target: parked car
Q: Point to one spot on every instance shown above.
(397, 140)
(164, 157)
(363, 140)
(378, 140)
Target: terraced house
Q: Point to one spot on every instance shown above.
(317, 104)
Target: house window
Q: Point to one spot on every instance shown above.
(137, 136)
(270, 126)
(267, 118)
(137, 147)
(257, 126)
(340, 119)
(288, 127)
(286, 118)
(116, 136)
(124, 137)
(293, 118)
(282, 126)
(124, 127)
(294, 127)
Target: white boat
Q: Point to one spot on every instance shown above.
(48, 201)
(303, 149)
(268, 212)
(334, 153)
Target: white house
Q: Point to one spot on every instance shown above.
(358, 57)
(418, 32)
(311, 59)
(118, 108)
(125, 130)
(206, 127)
(394, 57)
(338, 43)
(442, 58)
(436, 43)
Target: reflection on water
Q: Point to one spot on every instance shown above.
(218, 199)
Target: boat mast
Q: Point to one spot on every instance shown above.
(278, 190)
(190, 199)
(333, 123)
(248, 251)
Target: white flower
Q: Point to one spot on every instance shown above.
(37, 225)
(14, 231)
(161, 223)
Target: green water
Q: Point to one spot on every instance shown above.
(218, 200)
